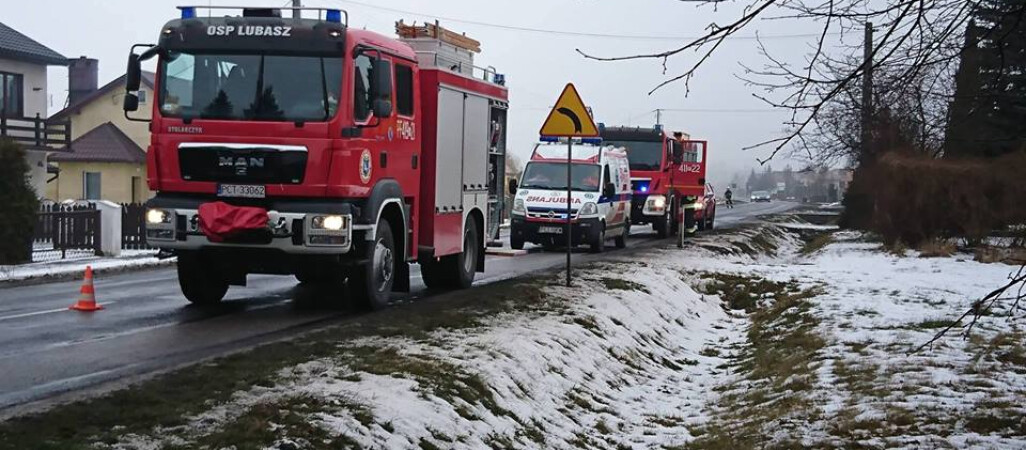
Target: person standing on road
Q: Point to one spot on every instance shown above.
(729, 195)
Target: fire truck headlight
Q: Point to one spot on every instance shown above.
(657, 202)
(589, 209)
(157, 216)
(699, 205)
(328, 223)
(518, 207)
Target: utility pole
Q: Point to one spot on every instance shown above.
(867, 96)
(295, 12)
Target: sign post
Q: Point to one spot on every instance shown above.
(569, 119)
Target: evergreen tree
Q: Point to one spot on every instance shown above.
(19, 205)
(989, 107)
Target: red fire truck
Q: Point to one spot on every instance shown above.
(667, 176)
(298, 145)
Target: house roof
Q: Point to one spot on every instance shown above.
(105, 143)
(147, 80)
(17, 46)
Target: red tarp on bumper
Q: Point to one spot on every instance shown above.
(220, 221)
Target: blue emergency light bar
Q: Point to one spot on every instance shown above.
(590, 141)
(333, 15)
(188, 12)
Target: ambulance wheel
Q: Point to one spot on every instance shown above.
(200, 284)
(432, 274)
(371, 285)
(621, 240)
(517, 243)
(599, 243)
(712, 222)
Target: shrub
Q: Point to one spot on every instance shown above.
(917, 199)
(18, 204)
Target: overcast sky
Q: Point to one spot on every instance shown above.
(537, 65)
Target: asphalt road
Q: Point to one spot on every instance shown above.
(48, 352)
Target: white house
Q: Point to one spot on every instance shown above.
(23, 101)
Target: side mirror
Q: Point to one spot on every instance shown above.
(513, 186)
(382, 108)
(133, 74)
(381, 79)
(678, 152)
(609, 190)
(131, 102)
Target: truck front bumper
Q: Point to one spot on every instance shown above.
(583, 231)
(291, 228)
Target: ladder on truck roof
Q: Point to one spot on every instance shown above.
(439, 48)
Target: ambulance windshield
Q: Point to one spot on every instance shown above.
(250, 87)
(552, 175)
(643, 155)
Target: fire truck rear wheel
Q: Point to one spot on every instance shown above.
(200, 284)
(371, 284)
(464, 265)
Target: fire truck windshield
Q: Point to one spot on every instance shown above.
(250, 87)
(552, 175)
(642, 155)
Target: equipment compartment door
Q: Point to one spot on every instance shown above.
(475, 144)
(449, 169)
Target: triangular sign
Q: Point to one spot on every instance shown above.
(569, 118)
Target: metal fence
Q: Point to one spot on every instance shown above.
(65, 231)
(133, 227)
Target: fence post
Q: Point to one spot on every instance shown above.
(38, 121)
(110, 234)
(3, 122)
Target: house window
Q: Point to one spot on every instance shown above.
(142, 96)
(137, 190)
(404, 90)
(91, 185)
(12, 101)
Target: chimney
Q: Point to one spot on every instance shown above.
(83, 78)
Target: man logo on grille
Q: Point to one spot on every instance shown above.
(241, 164)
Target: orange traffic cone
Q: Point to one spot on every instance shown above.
(87, 299)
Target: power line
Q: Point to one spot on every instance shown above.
(575, 33)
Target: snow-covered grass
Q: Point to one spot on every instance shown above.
(768, 336)
(128, 260)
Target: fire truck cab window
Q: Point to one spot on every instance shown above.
(362, 100)
(404, 90)
(248, 87)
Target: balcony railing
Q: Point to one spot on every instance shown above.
(36, 133)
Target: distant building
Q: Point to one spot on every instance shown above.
(810, 185)
(106, 165)
(23, 101)
(108, 161)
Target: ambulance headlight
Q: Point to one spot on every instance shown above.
(158, 216)
(589, 209)
(518, 207)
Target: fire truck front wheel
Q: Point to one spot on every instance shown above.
(371, 284)
(201, 284)
(664, 225)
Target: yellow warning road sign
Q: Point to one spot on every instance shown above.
(569, 118)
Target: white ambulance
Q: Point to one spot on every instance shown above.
(601, 197)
